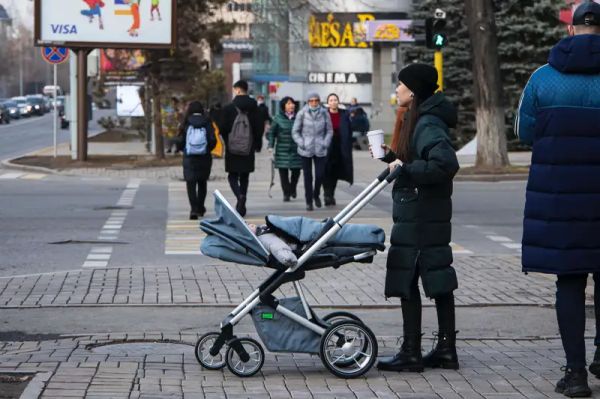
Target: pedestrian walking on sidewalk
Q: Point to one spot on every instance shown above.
(313, 132)
(197, 140)
(559, 114)
(422, 213)
(242, 129)
(287, 159)
(339, 155)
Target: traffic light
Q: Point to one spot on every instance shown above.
(435, 36)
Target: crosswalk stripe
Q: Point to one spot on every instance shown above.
(11, 175)
(33, 176)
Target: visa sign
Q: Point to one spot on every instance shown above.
(66, 29)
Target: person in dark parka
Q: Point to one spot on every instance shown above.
(237, 166)
(196, 167)
(420, 239)
(339, 156)
(559, 114)
(287, 159)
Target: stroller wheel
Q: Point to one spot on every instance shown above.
(348, 349)
(256, 357)
(203, 355)
(335, 317)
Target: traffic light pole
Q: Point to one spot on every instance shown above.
(438, 59)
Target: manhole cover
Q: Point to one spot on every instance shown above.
(144, 348)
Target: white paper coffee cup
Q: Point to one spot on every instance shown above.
(376, 139)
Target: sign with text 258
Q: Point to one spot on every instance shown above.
(105, 23)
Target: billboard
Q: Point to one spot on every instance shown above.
(390, 31)
(105, 23)
(344, 30)
(121, 64)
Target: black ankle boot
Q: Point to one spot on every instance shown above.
(241, 206)
(444, 354)
(574, 384)
(595, 366)
(408, 359)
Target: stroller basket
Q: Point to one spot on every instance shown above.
(281, 334)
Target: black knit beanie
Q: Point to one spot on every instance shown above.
(421, 79)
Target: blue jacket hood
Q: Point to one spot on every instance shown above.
(577, 54)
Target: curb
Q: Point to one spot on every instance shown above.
(28, 168)
(492, 178)
(36, 386)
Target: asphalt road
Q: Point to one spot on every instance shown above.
(29, 134)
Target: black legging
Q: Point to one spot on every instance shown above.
(309, 192)
(570, 311)
(412, 309)
(289, 187)
(239, 183)
(334, 163)
(196, 191)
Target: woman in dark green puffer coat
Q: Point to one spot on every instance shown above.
(420, 240)
(287, 159)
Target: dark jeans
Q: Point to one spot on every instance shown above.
(239, 183)
(570, 311)
(289, 187)
(412, 309)
(309, 191)
(196, 191)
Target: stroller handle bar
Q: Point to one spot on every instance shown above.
(385, 178)
(386, 175)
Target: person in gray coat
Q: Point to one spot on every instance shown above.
(313, 132)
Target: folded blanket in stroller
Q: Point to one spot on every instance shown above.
(302, 230)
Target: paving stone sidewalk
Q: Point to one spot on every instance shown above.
(82, 367)
(483, 281)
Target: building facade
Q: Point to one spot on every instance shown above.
(322, 47)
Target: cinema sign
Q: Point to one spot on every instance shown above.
(344, 30)
(339, 77)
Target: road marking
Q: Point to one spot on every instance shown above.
(23, 176)
(11, 175)
(101, 250)
(459, 250)
(499, 238)
(512, 245)
(183, 236)
(34, 176)
(100, 256)
(89, 263)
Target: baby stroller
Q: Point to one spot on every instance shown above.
(346, 346)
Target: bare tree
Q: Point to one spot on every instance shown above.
(489, 110)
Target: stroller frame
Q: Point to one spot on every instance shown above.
(264, 295)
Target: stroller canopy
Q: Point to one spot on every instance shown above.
(229, 237)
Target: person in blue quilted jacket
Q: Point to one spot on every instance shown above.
(559, 115)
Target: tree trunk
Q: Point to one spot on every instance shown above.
(156, 119)
(487, 90)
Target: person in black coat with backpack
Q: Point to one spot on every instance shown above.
(197, 139)
(241, 144)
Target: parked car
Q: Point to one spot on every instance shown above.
(13, 109)
(4, 114)
(25, 108)
(38, 103)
